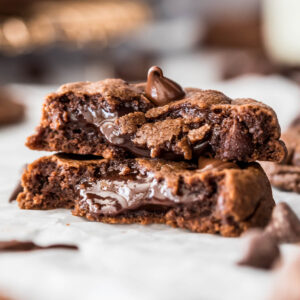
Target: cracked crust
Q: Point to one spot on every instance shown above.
(237, 130)
(225, 202)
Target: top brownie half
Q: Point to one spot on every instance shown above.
(112, 118)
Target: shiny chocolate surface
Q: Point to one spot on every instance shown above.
(162, 90)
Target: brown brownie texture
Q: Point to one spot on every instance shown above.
(286, 175)
(113, 118)
(10, 111)
(217, 197)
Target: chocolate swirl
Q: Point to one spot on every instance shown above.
(162, 90)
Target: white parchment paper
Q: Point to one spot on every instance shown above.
(126, 261)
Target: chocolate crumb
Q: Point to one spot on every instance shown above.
(284, 225)
(261, 252)
(20, 246)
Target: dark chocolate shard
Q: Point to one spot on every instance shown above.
(284, 225)
(19, 246)
(261, 250)
(162, 90)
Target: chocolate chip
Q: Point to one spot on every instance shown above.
(284, 224)
(261, 250)
(18, 246)
(162, 90)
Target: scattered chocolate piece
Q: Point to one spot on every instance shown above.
(142, 190)
(284, 225)
(18, 246)
(11, 111)
(262, 250)
(162, 90)
(286, 175)
(286, 285)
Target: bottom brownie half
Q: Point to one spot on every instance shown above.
(209, 199)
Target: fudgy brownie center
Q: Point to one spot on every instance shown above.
(118, 194)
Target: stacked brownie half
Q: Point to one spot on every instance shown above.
(154, 153)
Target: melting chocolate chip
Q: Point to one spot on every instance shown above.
(261, 250)
(284, 225)
(18, 246)
(162, 90)
(205, 164)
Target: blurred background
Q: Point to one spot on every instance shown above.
(250, 48)
(196, 41)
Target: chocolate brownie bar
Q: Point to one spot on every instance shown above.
(10, 110)
(215, 197)
(113, 118)
(286, 176)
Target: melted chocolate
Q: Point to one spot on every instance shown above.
(205, 164)
(18, 246)
(112, 196)
(162, 90)
(105, 122)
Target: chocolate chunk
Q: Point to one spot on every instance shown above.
(213, 200)
(162, 90)
(284, 225)
(11, 111)
(18, 246)
(261, 250)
